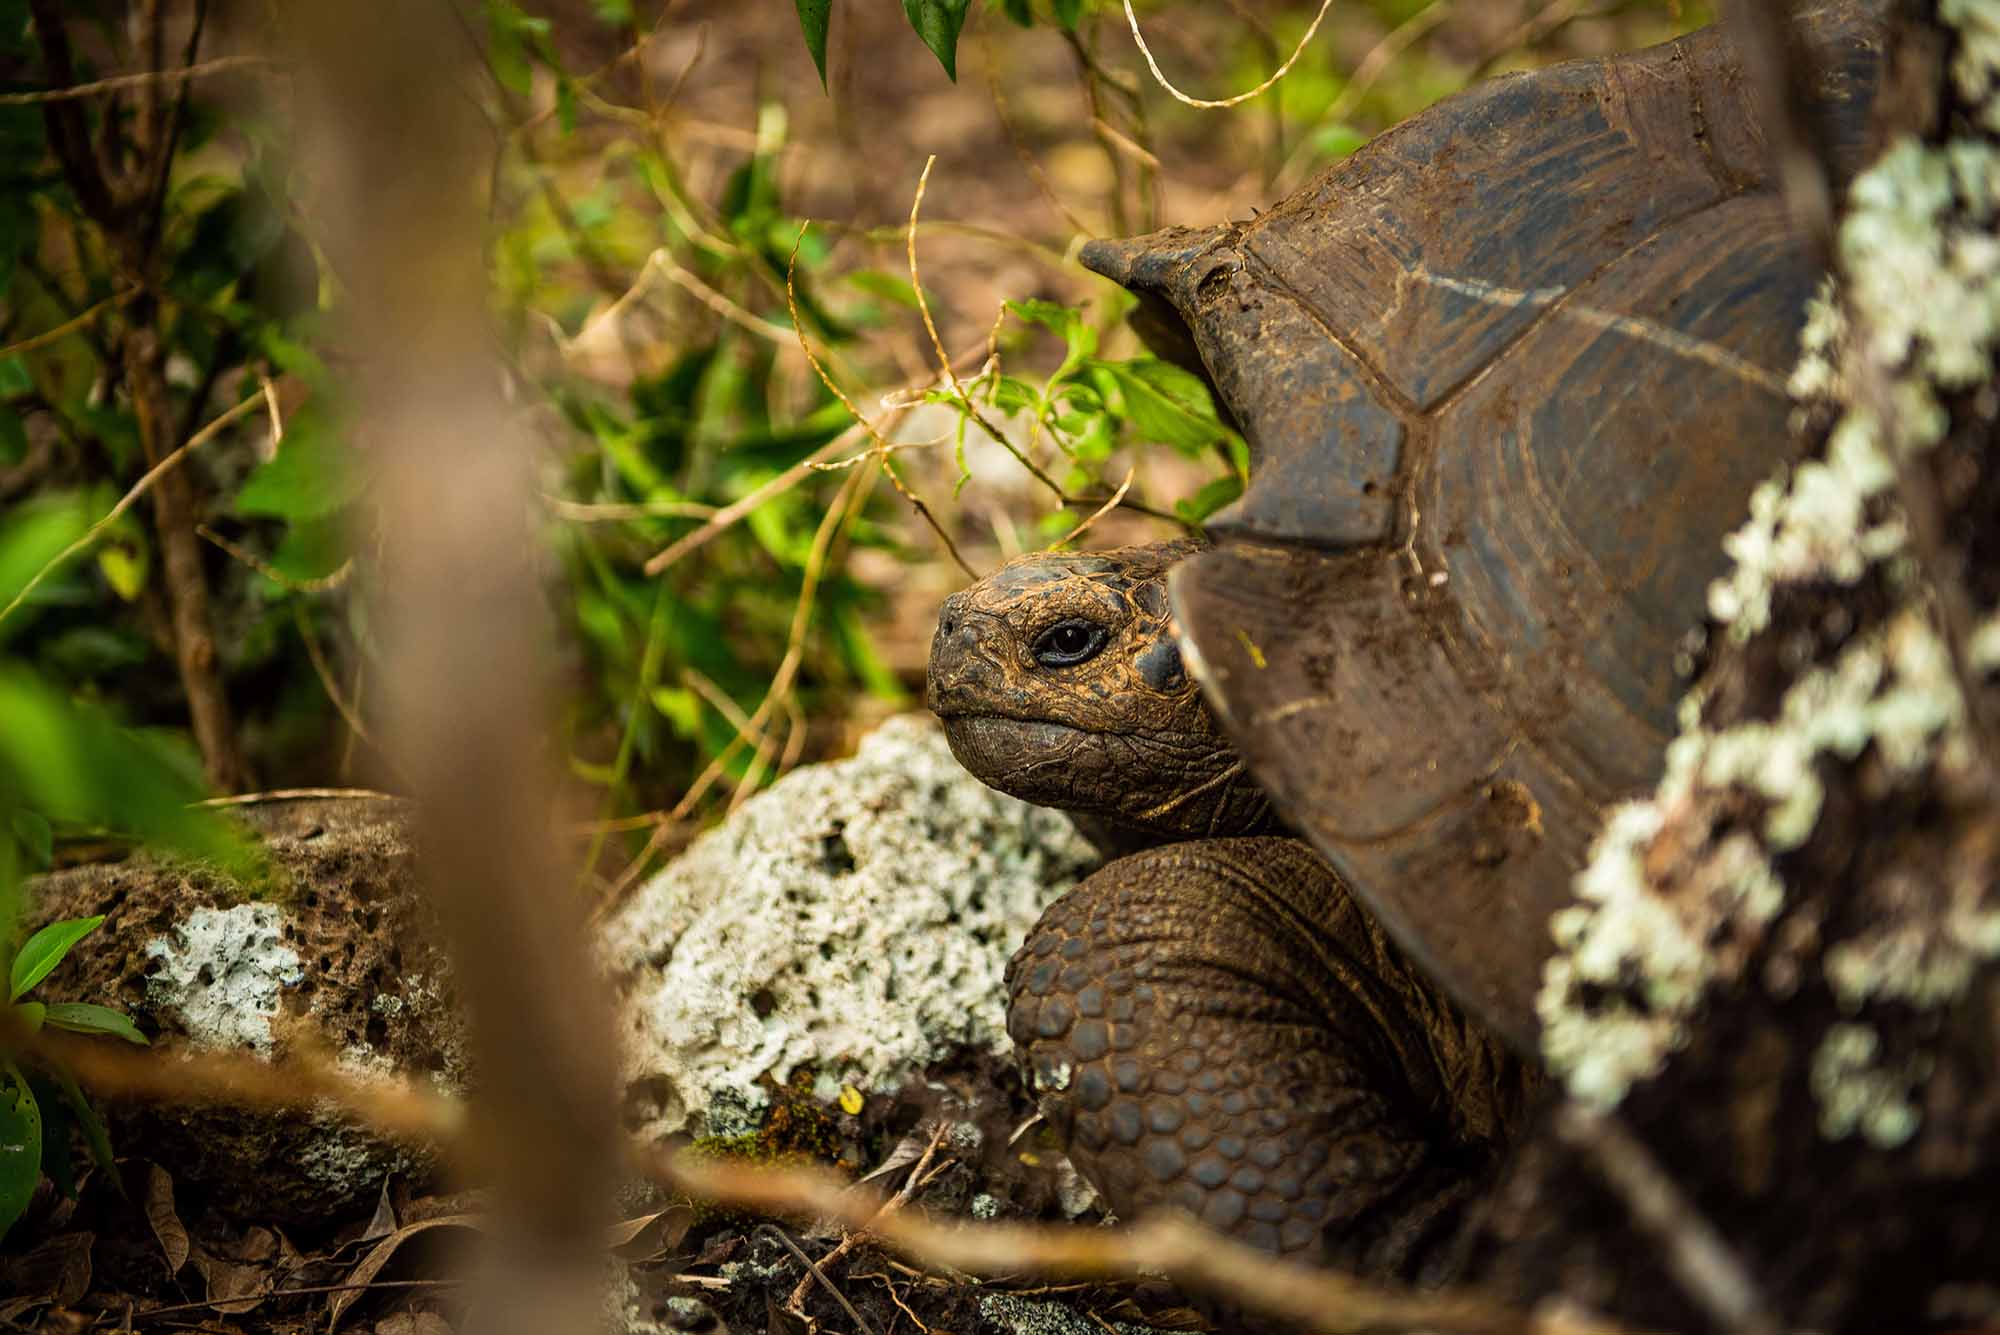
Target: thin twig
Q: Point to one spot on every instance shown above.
(1102, 510)
(71, 325)
(813, 1272)
(957, 388)
(889, 1287)
(1043, 186)
(1537, 27)
(728, 515)
(150, 78)
(674, 820)
(874, 433)
(1132, 19)
(1125, 144)
(846, 501)
(1366, 74)
(715, 301)
(334, 579)
(311, 1290)
(910, 1187)
(348, 713)
(721, 703)
(271, 403)
(125, 502)
(1695, 1253)
(599, 512)
(299, 795)
(888, 234)
(1316, 1300)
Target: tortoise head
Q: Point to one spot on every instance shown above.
(1059, 680)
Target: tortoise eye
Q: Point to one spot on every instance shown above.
(1068, 643)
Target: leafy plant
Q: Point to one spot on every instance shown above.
(937, 22)
(66, 765)
(40, 1101)
(1090, 404)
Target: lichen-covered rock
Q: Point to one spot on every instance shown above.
(855, 919)
(336, 954)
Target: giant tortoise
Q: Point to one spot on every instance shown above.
(1509, 375)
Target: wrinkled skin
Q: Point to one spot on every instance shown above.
(1211, 1022)
(1074, 735)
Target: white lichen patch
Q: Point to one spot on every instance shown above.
(1645, 958)
(1920, 309)
(222, 973)
(1976, 69)
(1856, 1093)
(856, 918)
(1924, 270)
(1982, 650)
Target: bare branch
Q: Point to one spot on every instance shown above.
(120, 82)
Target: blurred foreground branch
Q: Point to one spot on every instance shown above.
(402, 151)
(1317, 1300)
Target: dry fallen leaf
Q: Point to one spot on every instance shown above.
(383, 1251)
(650, 1235)
(167, 1226)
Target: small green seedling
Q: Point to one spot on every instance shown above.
(39, 1102)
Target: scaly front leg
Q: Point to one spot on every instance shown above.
(1217, 1025)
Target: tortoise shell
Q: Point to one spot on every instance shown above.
(1509, 375)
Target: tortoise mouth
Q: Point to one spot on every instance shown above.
(1012, 754)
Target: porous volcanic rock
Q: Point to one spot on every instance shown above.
(337, 952)
(855, 919)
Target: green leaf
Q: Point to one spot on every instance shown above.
(56, 1123)
(312, 549)
(680, 707)
(81, 1017)
(1013, 395)
(938, 23)
(1167, 404)
(593, 772)
(1018, 11)
(45, 949)
(1051, 315)
(94, 1134)
(310, 477)
(513, 42)
(1336, 141)
(565, 104)
(31, 831)
(1079, 338)
(33, 535)
(13, 438)
(1068, 12)
(124, 569)
(1212, 497)
(70, 762)
(859, 651)
(888, 286)
(83, 653)
(813, 19)
(14, 377)
(20, 1144)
